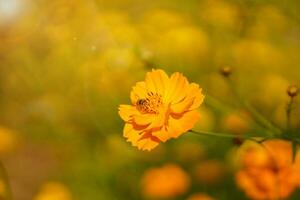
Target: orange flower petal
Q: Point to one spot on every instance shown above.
(132, 134)
(148, 142)
(160, 119)
(191, 102)
(144, 119)
(162, 134)
(139, 137)
(199, 97)
(182, 106)
(138, 92)
(177, 88)
(151, 84)
(179, 124)
(162, 81)
(127, 111)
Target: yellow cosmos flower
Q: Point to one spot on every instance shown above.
(162, 108)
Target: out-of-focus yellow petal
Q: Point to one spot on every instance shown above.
(166, 182)
(273, 176)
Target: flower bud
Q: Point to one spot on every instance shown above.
(226, 71)
(292, 91)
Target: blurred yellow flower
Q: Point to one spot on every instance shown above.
(268, 172)
(159, 19)
(162, 108)
(200, 196)
(8, 140)
(272, 22)
(250, 54)
(274, 90)
(167, 181)
(220, 13)
(187, 44)
(54, 191)
(2, 189)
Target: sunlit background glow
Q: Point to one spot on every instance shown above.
(66, 65)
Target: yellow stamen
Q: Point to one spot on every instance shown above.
(150, 104)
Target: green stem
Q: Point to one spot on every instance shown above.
(223, 108)
(4, 176)
(258, 118)
(224, 135)
(288, 113)
(216, 104)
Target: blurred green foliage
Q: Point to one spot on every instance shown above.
(65, 66)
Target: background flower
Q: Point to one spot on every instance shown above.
(270, 176)
(166, 181)
(65, 66)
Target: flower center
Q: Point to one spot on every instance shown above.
(150, 104)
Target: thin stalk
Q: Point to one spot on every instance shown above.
(223, 107)
(4, 176)
(224, 135)
(258, 118)
(288, 113)
(229, 136)
(216, 104)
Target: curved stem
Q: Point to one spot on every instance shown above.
(214, 134)
(4, 176)
(258, 118)
(224, 135)
(216, 104)
(288, 113)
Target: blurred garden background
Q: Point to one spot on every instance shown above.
(65, 66)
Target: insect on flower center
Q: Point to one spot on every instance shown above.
(150, 104)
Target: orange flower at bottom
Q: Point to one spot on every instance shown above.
(167, 181)
(268, 172)
(200, 196)
(162, 108)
